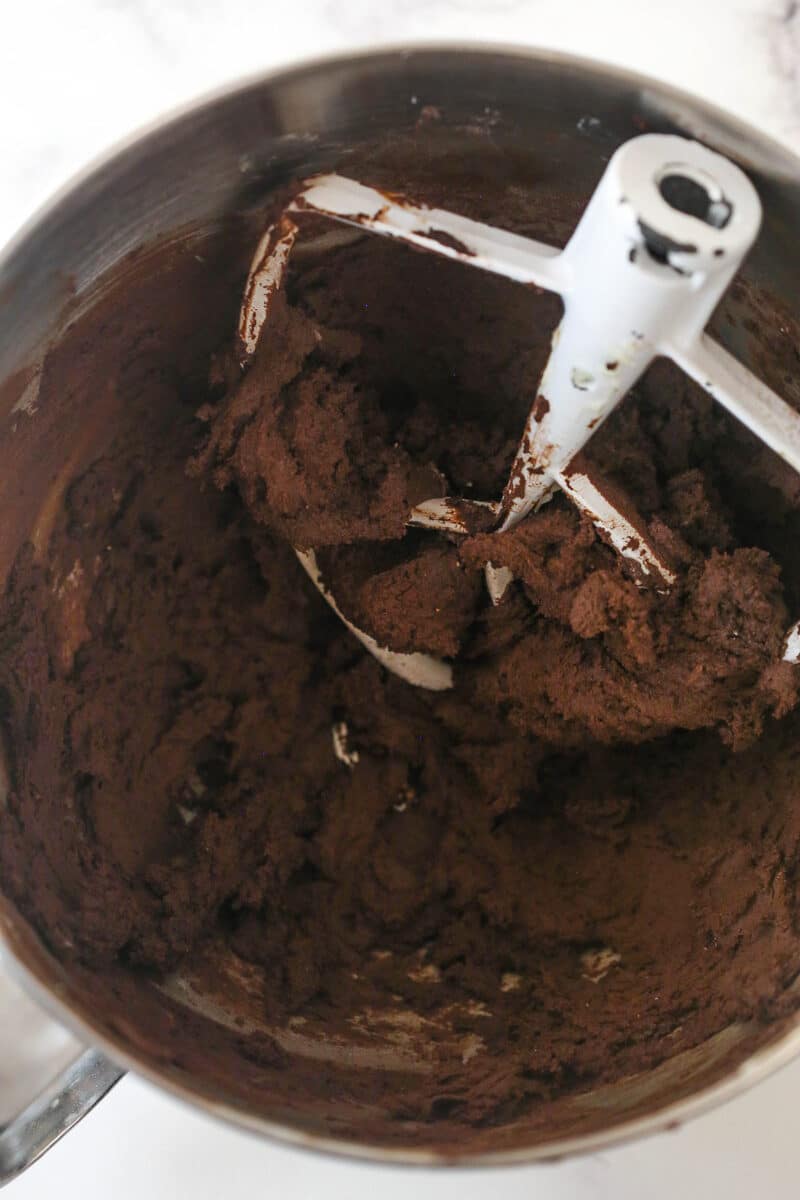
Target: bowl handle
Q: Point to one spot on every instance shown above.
(48, 1081)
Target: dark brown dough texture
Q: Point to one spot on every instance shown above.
(371, 377)
(584, 850)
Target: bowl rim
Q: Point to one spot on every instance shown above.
(26, 955)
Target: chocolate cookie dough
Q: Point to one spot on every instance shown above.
(369, 381)
(576, 863)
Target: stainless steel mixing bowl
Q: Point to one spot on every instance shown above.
(218, 157)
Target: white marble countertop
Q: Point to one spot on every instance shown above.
(75, 75)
